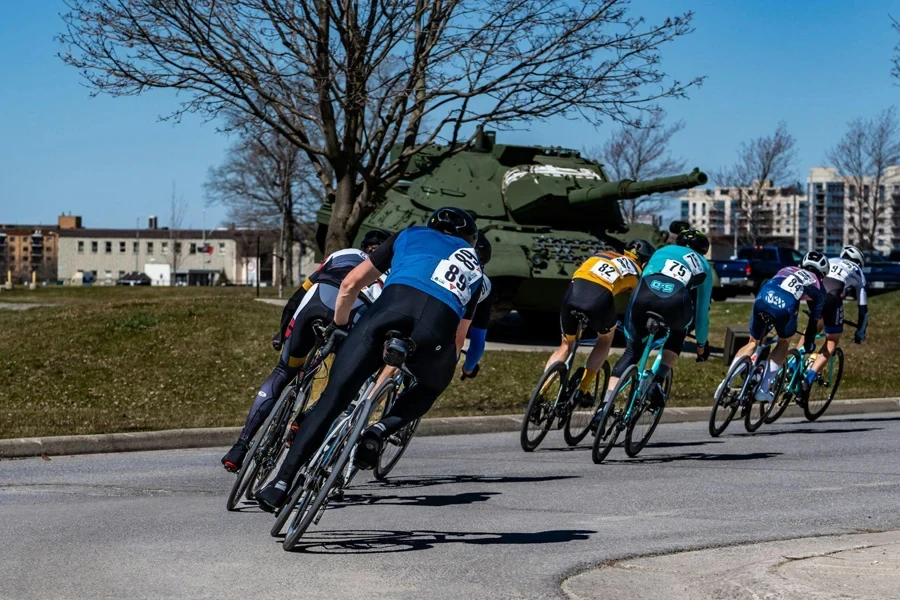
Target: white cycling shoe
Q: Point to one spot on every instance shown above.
(764, 396)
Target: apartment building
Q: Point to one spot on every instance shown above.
(27, 250)
(830, 212)
(717, 211)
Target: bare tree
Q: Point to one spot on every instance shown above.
(641, 151)
(268, 183)
(861, 157)
(177, 211)
(762, 165)
(895, 61)
(362, 76)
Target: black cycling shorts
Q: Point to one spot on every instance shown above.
(595, 301)
(669, 299)
(833, 313)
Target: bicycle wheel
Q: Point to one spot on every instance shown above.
(610, 423)
(725, 402)
(539, 414)
(578, 421)
(756, 413)
(824, 387)
(645, 422)
(335, 468)
(785, 391)
(260, 447)
(302, 493)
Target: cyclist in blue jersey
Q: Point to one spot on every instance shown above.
(434, 284)
(777, 305)
(676, 284)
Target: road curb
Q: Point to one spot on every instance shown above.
(174, 439)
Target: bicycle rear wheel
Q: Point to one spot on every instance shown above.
(824, 387)
(394, 447)
(756, 413)
(610, 424)
(578, 421)
(645, 422)
(725, 402)
(785, 393)
(539, 415)
(260, 447)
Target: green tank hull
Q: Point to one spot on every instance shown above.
(544, 211)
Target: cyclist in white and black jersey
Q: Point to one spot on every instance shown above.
(477, 328)
(314, 300)
(844, 274)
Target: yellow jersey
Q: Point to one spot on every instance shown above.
(616, 272)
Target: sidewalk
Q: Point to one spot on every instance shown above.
(856, 566)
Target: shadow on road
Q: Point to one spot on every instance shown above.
(861, 420)
(380, 542)
(701, 457)
(649, 445)
(415, 482)
(419, 500)
(805, 431)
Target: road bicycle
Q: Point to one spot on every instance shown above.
(396, 444)
(630, 409)
(738, 391)
(273, 437)
(331, 469)
(554, 399)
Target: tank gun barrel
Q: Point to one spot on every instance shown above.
(627, 189)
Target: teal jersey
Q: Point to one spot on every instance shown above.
(693, 271)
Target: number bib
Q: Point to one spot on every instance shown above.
(676, 270)
(458, 274)
(605, 271)
(839, 271)
(793, 285)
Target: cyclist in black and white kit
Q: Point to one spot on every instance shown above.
(844, 273)
(315, 300)
(479, 324)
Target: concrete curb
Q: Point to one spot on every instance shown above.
(174, 439)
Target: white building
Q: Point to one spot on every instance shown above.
(831, 210)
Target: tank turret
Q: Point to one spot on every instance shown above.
(543, 209)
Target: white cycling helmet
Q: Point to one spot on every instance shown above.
(815, 262)
(852, 253)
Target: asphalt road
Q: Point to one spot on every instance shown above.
(466, 517)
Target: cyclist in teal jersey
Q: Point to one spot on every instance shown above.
(677, 285)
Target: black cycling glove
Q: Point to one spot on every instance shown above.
(471, 375)
(704, 355)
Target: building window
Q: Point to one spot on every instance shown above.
(122, 247)
(221, 247)
(787, 209)
(703, 210)
(121, 274)
(134, 247)
(149, 247)
(880, 242)
(193, 249)
(108, 247)
(177, 247)
(165, 247)
(94, 247)
(694, 209)
(108, 274)
(48, 240)
(80, 247)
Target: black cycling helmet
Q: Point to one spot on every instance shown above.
(483, 249)
(374, 237)
(454, 221)
(642, 250)
(694, 239)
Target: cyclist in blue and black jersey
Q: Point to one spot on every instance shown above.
(777, 305)
(434, 284)
(676, 284)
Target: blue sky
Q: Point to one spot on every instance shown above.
(814, 65)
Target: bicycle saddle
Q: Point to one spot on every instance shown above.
(579, 315)
(397, 348)
(655, 322)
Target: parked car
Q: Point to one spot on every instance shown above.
(884, 274)
(734, 278)
(766, 261)
(134, 278)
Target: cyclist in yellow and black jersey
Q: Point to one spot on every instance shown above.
(600, 290)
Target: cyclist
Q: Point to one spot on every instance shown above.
(434, 284)
(314, 300)
(844, 273)
(600, 289)
(677, 285)
(777, 304)
(482, 317)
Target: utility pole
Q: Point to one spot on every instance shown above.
(137, 243)
(258, 266)
(736, 217)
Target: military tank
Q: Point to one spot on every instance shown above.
(543, 209)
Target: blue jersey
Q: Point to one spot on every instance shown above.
(789, 287)
(440, 265)
(693, 272)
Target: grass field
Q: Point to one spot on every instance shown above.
(131, 359)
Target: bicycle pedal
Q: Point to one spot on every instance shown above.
(393, 439)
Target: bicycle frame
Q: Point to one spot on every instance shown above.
(653, 343)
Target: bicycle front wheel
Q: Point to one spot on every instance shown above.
(726, 400)
(395, 445)
(644, 423)
(539, 415)
(757, 412)
(824, 387)
(610, 423)
(578, 421)
(787, 382)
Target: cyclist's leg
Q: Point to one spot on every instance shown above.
(568, 325)
(598, 304)
(833, 318)
(758, 329)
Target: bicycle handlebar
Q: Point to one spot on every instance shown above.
(336, 335)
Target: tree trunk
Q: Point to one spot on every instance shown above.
(339, 231)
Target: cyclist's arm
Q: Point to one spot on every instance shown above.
(815, 303)
(291, 307)
(701, 318)
(362, 275)
(478, 332)
(466, 320)
(461, 332)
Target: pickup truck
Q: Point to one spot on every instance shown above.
(766, 261)
(883, 275)
(734, 278)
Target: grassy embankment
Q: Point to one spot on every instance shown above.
(130, 359)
